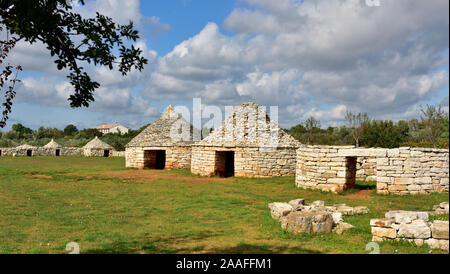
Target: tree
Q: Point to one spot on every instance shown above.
(381, 134)
(357, 124)
(70, 130)
(431, 116)
(310, 124)
(73, 40)
(21, 130)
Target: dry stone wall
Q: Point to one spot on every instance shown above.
(176, 156)
(398, 171)
(65, 151)
(252, 162)
(411, 226)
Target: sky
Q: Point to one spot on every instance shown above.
(317, 58)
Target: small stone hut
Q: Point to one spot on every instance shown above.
(162, 144)
(247, 144)
(97, 148)
(26, 150)
(53, 148)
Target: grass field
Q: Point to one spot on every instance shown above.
(47, 202)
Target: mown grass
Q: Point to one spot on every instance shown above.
(76, 202)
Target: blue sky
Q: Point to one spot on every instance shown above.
(311, 58)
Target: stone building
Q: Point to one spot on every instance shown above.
(97, 148)
(25, 150)
(52, 148)
(247, 144)
(166, 143)
(397, 171)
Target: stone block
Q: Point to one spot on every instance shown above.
(383, 232)
(439, 230)
(278, 210)
(386, 222)
(416, 230)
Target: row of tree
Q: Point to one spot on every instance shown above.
(70, 136)
(430, 130)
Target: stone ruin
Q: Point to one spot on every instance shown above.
(398, 171)
(247, 144)
(157, 146)
(51, 149)
(296, 217)
(413, 226)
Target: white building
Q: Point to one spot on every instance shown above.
(112, 128)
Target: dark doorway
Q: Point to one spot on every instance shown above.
(106, 153)
(58, 153)
(0, 152)
(350, 174)
(155, 159)
(29, 153)
(225, 164)
(160, 159)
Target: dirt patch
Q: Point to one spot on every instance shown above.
(360, 195)
(39, 176)
(150, 175)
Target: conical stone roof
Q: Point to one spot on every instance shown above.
(249, 125)
(165, 131)
(96, 143)
(25, 146)
(52, 144)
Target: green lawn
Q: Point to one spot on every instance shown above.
(47, 202)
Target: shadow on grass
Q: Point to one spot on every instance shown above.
(169, 246)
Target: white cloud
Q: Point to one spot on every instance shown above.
(312, 57)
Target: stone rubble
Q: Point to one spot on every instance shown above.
(296, 217)
(411, 226)
(441, 209)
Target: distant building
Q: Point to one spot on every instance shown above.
(112, 128)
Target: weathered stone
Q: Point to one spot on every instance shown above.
(402, 216)
(345, 210)
(383, 232)
(318, 204)
(418, 229)
(278, 210)
(297, 202)
(337, 217)
(438, 244)
(307, 222)
(439, 230)
(387, 222)
(341, 227)
(361, 210)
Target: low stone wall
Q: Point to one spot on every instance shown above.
(252, 162)
(176, 156)
(94, 152)
(40, 151)
(413, 171)
(398, 171)
(117, 153)
(413, 227)
(366, 169)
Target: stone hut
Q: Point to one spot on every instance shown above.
(52, 148)
(247, 144)
(166, 143)
(97, 148)
(26, 150)
(401, 170)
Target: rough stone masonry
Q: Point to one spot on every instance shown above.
(398, 171)
(411, 226)
(258, 146)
